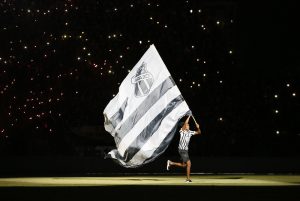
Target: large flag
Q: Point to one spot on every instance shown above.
(143, 116)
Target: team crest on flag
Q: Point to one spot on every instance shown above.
(142, 80)
(142, 118)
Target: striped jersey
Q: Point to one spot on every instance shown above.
(185, 136)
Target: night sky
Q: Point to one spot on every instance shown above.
(61, 62)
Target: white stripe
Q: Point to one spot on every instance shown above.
(147, 118)
(140, 89)
(157, 138)
(146, 83)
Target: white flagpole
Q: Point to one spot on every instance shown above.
(194, 119)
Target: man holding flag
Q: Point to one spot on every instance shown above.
(185, 136)
(143, 116)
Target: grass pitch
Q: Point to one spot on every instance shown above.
(151, 180)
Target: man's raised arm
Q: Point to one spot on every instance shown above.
(187, 120)
(198, 131)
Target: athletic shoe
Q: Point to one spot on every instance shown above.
(168, 164)
(188, 181)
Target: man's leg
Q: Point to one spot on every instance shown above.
(188, 169)
(177, 164)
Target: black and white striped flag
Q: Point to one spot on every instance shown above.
(143, 116)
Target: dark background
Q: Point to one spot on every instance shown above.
(236, 64)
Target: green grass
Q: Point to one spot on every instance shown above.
(198, 180)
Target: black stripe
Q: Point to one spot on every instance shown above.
(152, 98)
(150, 129)
(118, 116)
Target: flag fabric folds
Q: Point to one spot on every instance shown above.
(143, 116)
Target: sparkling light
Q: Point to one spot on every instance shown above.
(58, 72)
